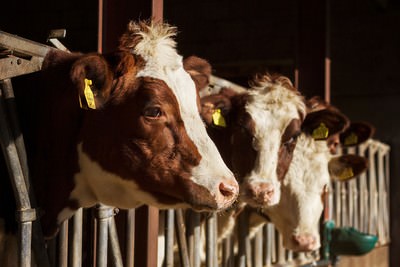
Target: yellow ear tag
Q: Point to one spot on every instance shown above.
(218, 119)
(352, 139)
(88, 95)
(346, 174)
(321, 132)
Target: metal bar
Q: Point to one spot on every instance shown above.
(19, 187)
(114, 243)
(76, 253)
(243, 239)
(180, 232)
(227, 256)
(210, 241)
(169, 238)
(196, 239)
(63, 245)
(130, 240)
(103, 213)
(22, 45)
(157, 7)
(258, 249)
(37, 241)
(146, 234)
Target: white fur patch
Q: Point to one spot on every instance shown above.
(272, 107)
(163, 62)
(95, 185)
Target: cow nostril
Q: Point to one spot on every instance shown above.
(227, 190)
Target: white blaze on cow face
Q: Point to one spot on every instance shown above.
(163, 62)
(298, 212)
(272, 107)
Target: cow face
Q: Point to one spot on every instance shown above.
(258, 141)
(298, 212)
(144, 142)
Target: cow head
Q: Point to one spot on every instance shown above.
(298, 212)
(141, 139)
(262, 125)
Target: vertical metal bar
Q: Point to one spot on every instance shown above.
(226, 252)
(102, 236)
(327, 51)
(130, 240)
(37, 241)
(210, 241)
(100, 26)
(157, 10)
(169, 238)
(180, 232)
(197, 247)
(258, 249)
(19, 186)
(190, 235)
(243, 239)
(146, 234)
(281, 250)
(114, 243)
(267, 244)
(63, 245)
(76, 249)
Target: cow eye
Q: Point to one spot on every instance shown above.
(292, 139)
(152, 112)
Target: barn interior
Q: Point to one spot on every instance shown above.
(344, 51)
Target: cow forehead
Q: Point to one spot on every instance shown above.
(273, 110)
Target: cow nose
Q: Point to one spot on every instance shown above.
(305, 242)
(228, 189)
(261, 194)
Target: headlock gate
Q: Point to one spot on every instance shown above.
(100, 237)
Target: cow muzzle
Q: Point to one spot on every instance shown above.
(304, 242)
(260, 194)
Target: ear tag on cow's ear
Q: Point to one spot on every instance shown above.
(89, 96)
(218, 119)
(346, 174)
(351, 139)
(321, 132)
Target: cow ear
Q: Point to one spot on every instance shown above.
(345, 167)
(216, 108)
(200, 71)
(324, 123)
(92, 77)
(357, 133)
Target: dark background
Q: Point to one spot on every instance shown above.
(241, 38)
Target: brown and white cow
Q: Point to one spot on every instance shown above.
(298, 212)
(258, 135)
(123, 129)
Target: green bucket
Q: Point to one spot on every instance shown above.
(349, 241)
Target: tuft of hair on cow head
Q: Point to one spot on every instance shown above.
(356, 134)
(324, 123)
(94, 74)
(345, 167)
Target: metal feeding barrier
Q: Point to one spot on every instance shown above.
(100, 237)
